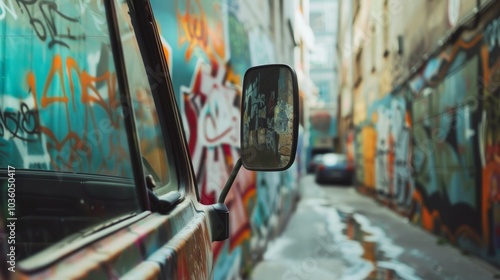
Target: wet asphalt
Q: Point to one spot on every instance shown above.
(337, 233)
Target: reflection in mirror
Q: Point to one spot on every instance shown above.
(268, 112)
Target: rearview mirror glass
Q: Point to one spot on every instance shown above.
(269, 117)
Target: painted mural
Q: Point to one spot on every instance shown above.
(57, 82)
(60, 110)
(437, 143)
(384, 153)
(211, 47)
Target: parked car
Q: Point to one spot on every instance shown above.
(96, 180)
(334, 168)
(313, 164)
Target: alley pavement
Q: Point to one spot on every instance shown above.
(337, 233)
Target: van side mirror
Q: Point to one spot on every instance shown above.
(269, 117)
(269, 131)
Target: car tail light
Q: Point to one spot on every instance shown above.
(321, 167)
(350, 167)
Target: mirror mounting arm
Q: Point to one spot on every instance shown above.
(219, 213)
(230, 181)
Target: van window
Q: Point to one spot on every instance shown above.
(149, 133)
(59, 102)
(62, 124)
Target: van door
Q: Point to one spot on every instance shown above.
(95, 178)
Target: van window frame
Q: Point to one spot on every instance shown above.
(170, 120)
(171, 129)
(53, 254)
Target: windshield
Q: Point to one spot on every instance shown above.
(331, 159)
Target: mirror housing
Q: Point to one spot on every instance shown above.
(269, 131)
(269, 117)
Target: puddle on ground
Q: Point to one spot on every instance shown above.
(377, 249)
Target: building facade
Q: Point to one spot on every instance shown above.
(423, 77)
(323, 107)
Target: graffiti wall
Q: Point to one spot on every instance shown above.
(60, 110)
(53, 83)
(210, 44)
(60, 107)
(384, 153)
(437, 143)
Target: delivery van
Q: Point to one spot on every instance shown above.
(96, 181)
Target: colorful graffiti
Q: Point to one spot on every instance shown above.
(210, 52)
(437, 143)
(72, 84)
(61, 110)
(385, 151)
(76, 90)
(448, 145)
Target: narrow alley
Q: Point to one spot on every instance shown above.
(337, 233)
(172, 139)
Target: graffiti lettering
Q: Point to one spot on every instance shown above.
(195, 28)
(218, 116)
(210, 109)
(20, 123)
(90, 93)
(44, 25)
(71, 150)
(6, 7)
